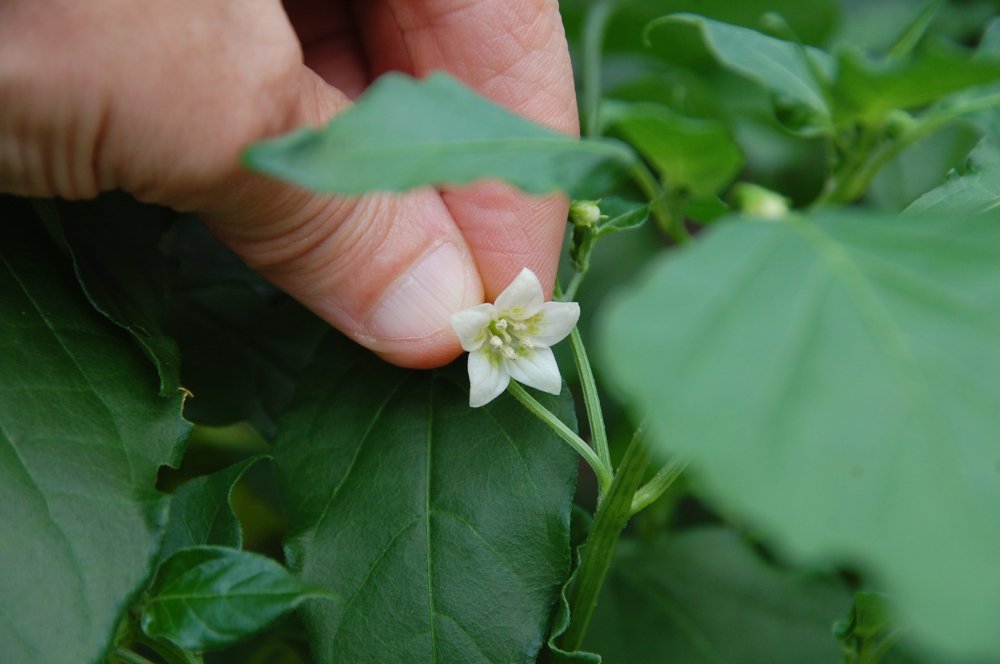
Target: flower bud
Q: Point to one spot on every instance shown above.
(584, 213)
(760, 202)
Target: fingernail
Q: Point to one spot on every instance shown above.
(419, 303)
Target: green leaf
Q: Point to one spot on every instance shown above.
(201, 512)
(812, 21)
(622, 215)
(976, 192)
(835, 381)
(243, 341)
(405, 133)
(869, 90)
(704, 596)
(778, 65)
(114, 242)
(698, 156)
(207, 597)
(445, 528)
(82, 434)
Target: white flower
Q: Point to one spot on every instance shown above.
(511, 338)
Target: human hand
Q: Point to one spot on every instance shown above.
(159, 99)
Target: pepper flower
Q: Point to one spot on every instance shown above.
(511, 338)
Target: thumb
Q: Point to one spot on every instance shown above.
(387, 270)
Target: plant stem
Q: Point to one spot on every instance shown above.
(656, 487)
(130, 657)
(852, 182)
(591, 398)
(574, 285)
(669, 223)
(170, 653)
(612, 516)
(593, 43)
(545, 415)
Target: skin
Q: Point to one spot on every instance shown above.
(159, 98)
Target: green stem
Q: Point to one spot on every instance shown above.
(574, 284)
(926, 126)
(853, 182)
(545, 415)
(130, 657)
(591, 398)
(669, 223)
(170, 653)
(612, 516)
(593, 42)
(650, 492)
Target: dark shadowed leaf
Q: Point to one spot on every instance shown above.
(207, 597)
(835, 380)
(444, 528)
(114, 242)
(405, 133)
(82, 433)
(244, 342)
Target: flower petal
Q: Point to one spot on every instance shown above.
(523, 298)
(538, 370)
(555, 322)
(486, 380)
(470, 325)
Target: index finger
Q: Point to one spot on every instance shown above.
(515, 53)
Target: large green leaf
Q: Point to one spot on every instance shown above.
(705, 597)
(210, 596)
(405, 133)
(243, 342)
(444, 528)
(778, 65)
(201, 512)
(835, 380)
(82, 434)
(975, 192)
(871, 89)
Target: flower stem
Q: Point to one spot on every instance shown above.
(656, 487)
(612, 516)
(574, 285)
(602, 472)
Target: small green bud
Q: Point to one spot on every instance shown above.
(585, 214)
(760, 202)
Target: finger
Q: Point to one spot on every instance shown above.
(514, 52)
(168, 123)
(386, 270)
